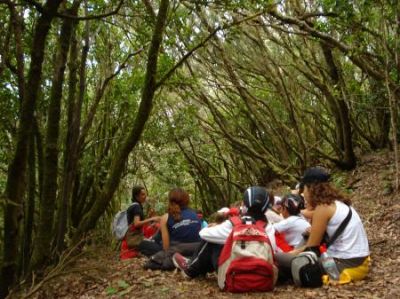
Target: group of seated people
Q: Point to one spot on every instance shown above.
(294, 223)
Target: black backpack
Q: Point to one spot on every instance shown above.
(306, 270)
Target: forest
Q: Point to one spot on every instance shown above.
(209, 95)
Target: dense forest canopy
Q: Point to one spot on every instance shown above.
(211, 96)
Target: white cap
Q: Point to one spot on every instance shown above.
(277, 200)
(223, 210)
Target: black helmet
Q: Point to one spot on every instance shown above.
(256, 198)
(293, 203)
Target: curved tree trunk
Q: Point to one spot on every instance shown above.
(89, 220)
(343, 125)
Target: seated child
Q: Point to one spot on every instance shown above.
(294, 225)
(203, 222)
(274, 215)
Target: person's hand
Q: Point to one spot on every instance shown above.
(156, 218)
(295, 251)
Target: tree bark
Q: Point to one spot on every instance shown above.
(15, 186)
(42, 247)
(342, 118)
(74, 107)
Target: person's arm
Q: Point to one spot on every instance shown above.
(320, 220)
(307, 213)
(164, 231)
(139, 223)
(217, 234)
(281, 226)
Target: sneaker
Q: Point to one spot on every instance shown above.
(181, 263)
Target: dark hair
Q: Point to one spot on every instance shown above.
(293, 203)
(136, 191)
(325, 193)
(178, 200)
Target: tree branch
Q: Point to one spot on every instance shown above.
(201, 44)
(41, 9)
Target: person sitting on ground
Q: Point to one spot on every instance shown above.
(350, 250)
(205, 260)
(274, 214)
(136, 222)
(179, 226)
(294, 225)
(307, 211)
(202, 220)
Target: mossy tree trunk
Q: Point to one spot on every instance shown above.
(43, 242)
(16, 178)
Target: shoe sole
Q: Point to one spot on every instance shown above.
(176, 264)
(183, 273)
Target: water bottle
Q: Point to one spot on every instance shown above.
(329, 264)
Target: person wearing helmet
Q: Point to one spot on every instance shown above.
(205, 260)
(294, 225)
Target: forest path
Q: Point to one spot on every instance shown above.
(99, 274)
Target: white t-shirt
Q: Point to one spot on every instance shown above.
(273, 217)
(293, 227)
(352, 242)
(219, 233)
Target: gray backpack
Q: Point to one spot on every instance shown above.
(120, 224)
(306, 270)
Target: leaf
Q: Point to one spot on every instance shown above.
(111, 291)
(123, 284)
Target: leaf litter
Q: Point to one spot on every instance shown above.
(127, 279)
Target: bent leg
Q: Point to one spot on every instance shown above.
(204, 260)
(148, 248)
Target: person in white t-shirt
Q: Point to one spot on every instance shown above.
(294, 224)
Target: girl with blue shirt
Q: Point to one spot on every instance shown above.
(179, 225)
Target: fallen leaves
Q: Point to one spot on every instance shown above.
(127, 279)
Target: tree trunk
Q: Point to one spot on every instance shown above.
(15, 185)
(344, 129)
(42, 247)
(71, 150)
(30, 208)
(145, 107)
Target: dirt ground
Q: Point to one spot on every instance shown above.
(99, 274)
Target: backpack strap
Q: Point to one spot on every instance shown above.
(235, 220)
(340, 229)
(261, 224)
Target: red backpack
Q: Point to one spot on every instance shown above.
(246, 263)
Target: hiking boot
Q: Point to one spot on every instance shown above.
(181, 263)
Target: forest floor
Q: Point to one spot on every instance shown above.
(99, 274)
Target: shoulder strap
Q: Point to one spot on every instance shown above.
(261, 224)
(235, 220)
(340, 229)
